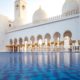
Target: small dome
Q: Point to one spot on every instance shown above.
(70, 5)
(39, 15)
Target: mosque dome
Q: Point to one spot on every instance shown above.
(39, 15)
(69, 5)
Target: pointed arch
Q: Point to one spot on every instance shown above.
(20, 41)
(48, 37)
(32, 38)
(11, 41)
(56, 35)
(15, 41)
(26, 38)
(39, 37)
(67, 33)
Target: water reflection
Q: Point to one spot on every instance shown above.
(67, 59)
(26, 66)
(19, 61)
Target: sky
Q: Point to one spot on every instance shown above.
(51, 7)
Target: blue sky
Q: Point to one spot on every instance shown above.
(7, 8)
(52, 7)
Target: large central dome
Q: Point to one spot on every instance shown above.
(70, 5)
(39, 15)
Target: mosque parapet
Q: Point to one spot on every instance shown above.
(70, 14)
(63, 16)
(60, 17)
(73, 12)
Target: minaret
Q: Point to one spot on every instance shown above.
(20, 12)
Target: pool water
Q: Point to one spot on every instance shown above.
(40, 66)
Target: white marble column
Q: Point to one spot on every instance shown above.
(25, 46)
(13, 48)
(18, 49)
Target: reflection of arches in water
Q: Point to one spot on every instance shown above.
(11, 61)
(20, 62)
(33, 59)
(48, 37)
(30, 59)
(40, 59)
(32, 38)
(25, 58)
(48, 59)
(74, 59)
(45, 58)
(58, 59)
(51, 59)
(67, 59)
(54, 58)
(15, 61)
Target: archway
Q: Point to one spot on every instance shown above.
(39, 39)
(26, 39)
(11, 42)
(67, 39)
(20, 41)
(15, 45)
(25, 44)
(47, 39)
(15, 41)
(20, 44)
(32, 38)
(67, 33)
(10, 48)
(56, 37)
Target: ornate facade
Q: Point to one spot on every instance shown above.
(60, 33)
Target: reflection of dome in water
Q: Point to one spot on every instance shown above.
(39, 15)
(70, 5)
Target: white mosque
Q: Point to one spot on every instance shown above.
(59, 33)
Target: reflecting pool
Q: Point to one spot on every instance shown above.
(40, 66)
